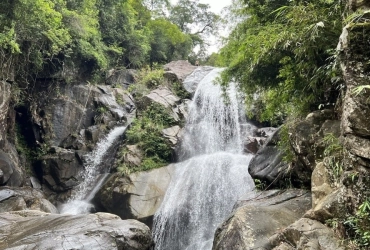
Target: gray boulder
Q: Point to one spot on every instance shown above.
(258, 216)
(137, 196)
(268, 162)
(61, 168)
(25, 198)
(177, 71)
(329, 207)
(307, 134)
(163, 96)
(52, 231)
(307, 234)
(132, 156)
(191, 81)
(173, 134)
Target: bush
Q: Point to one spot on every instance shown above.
(146, 133)
(146, 80)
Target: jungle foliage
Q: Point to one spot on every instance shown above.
(40, 35)
(283, 55)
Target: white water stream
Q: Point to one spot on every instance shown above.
(79, 202)
(213, 173)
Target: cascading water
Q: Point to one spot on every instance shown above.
(79, 202)
(212, 175)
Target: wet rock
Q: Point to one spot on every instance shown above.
(124, 99)
(12, 173)
(178, 70)
(307, 234)
(258, 216)
(253, 144)
(121, 77)
(108, 105)
(93, 134)
(137, 196)
(268, 162)
(265, 132)
(254, 138)
(52, 231)
(182, 109)
(25, 198)
(191, 82)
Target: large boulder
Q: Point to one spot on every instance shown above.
(177, 71)
(329, 207)
(137, 196)
(306, 140)
(173, 134)
(164, 97)
(307, 134)
(258, 216)
(268, 162)
(61, 168)
(117, 102)
(191, 81)
(307, 234)
(254, 138)
(53, 231)
(25, 198)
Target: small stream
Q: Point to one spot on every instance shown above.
(79, 202)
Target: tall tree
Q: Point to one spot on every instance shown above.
(195, 19)
(159, 8)
(168, 42)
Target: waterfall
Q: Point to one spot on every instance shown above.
(79, 202)
(213, 173)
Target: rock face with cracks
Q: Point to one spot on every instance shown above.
(136, 196)
(258, 216)
(37, 230)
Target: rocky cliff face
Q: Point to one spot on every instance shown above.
(43, 141)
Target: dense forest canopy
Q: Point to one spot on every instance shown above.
(284, 51)
(101, 34)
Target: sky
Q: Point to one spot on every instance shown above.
(216, 7)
